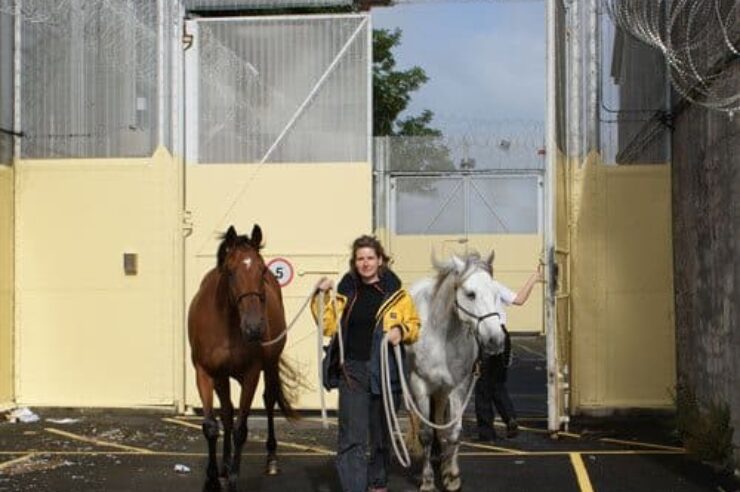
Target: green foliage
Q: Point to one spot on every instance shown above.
(392, 89)
(705, 432)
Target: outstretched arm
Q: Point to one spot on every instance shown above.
(526, 290)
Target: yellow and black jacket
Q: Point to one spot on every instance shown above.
(397, 309)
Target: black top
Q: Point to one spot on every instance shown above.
(362, 321)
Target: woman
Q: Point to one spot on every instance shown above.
(369, 303)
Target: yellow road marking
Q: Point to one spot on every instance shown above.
(309, 454)
(494, 448)
(98, 442)
(581, 473)
(316, 449)
(569, 434)
(182, 423)
(330, 420)
(642, 444)
(20, 459)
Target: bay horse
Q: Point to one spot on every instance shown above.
(459, 316)
(237, 309)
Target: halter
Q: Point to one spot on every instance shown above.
(478, 319)
(260, 296)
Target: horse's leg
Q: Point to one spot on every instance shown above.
(270, 397)
(450, 469)
(210, 426)
(223, 390)
(249, 386)
(426, 434)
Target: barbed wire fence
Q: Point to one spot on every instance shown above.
(699, 40)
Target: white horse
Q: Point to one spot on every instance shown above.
(458, 311)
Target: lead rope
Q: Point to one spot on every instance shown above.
(295, 318)
(320, 350)
(394, 428)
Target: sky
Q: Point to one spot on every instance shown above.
(485, 60)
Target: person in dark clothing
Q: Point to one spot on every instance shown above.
(490, 389)
(369, 303)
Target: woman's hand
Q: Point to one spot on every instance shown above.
(324, 284)
(395, 336)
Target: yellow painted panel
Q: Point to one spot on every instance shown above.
(88, 333)
(516, 258)
(621, 310)
(309, 215)
(7, 222)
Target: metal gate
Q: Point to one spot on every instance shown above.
(456, 210)
(277, 116)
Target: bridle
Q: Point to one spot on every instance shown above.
(478, 319)
(259, 295)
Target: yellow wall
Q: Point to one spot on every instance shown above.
(309, 214)
(622, 325)
(6, 285)
(87, 334)
(517, 256)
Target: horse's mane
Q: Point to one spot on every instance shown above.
(448, 279)
(242, 241)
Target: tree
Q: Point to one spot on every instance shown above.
(392, 90)
(421, 148)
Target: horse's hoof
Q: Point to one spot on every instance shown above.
(272, 467)
(427, 487)
(233, 479)
(452, 483)
(212, 486)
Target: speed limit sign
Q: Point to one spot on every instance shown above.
(282, 269)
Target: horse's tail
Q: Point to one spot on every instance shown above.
(289, 382)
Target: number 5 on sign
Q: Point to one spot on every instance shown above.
(282, 270)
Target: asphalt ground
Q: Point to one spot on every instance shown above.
(98, 450)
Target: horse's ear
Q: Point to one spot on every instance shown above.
(256, 236)
(490, 258)
(230, 236)
(459, 264)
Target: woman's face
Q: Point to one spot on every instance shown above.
(367, 263)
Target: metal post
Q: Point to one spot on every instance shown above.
(594, 67)
(17, 122)
(553, 404)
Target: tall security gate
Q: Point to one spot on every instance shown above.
(490, 202)
(278, 125)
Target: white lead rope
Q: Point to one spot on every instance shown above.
(394, 428)
(287, 329)
(320, 349)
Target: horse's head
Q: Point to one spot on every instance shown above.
(477, 300)
(239, 260)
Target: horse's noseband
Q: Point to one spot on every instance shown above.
(478, 319)
(260, 296)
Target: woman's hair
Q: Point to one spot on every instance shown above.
(366, 241)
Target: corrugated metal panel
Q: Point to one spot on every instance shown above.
(261, 4)
(6, 87)
(89, 78)
(284, 89)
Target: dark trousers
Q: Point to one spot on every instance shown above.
(361, 413)
(490, 389)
